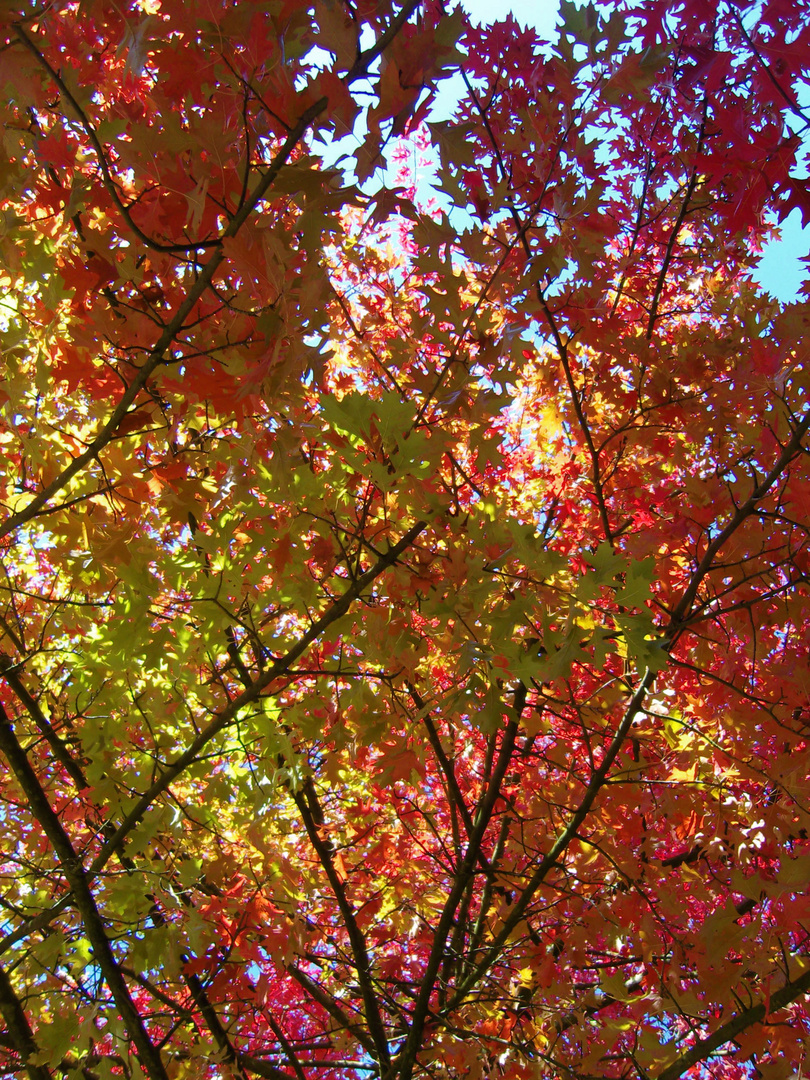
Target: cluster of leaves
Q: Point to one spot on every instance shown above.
(404, 598)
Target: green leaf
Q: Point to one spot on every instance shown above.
(637, 583)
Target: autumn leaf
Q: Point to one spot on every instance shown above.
(404, 608)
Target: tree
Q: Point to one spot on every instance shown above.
(405, 608)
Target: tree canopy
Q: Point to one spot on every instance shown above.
(405, 543)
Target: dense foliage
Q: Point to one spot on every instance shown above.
(405, 543)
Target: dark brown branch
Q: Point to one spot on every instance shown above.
(18, 1028)
(308, 807)
(281, 667)
(582, 420)
(290, 1054)
(262, 1068)
(32, 706)
(196, 988)
(561, 347)
(214, 1025)
(101, 157)
(42, 811)
(407, 1059)
(734, 1027)
(789, 452)
(336, 610)
(360, 69)
(791, 449)
(454, 792)
(787, 97)
(673, 237)
(173, 328)
(330, 1006)
(558, 848)
(38, 922)
(489, 888)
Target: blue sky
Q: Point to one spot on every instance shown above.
(542, 14)
(780, 270)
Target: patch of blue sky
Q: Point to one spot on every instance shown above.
(538, 14)
(781, 269)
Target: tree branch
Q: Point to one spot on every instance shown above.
(252, 693)
(558, 848)
(19, 1030)
(329, 1005)
(206, 275)
(59, 749)
(734, 1027)
(40, 808)
(325, 852)
(790, 450)
(405, 1062)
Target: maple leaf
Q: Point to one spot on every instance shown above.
(404, 610)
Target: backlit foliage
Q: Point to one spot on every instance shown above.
(405, 543)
